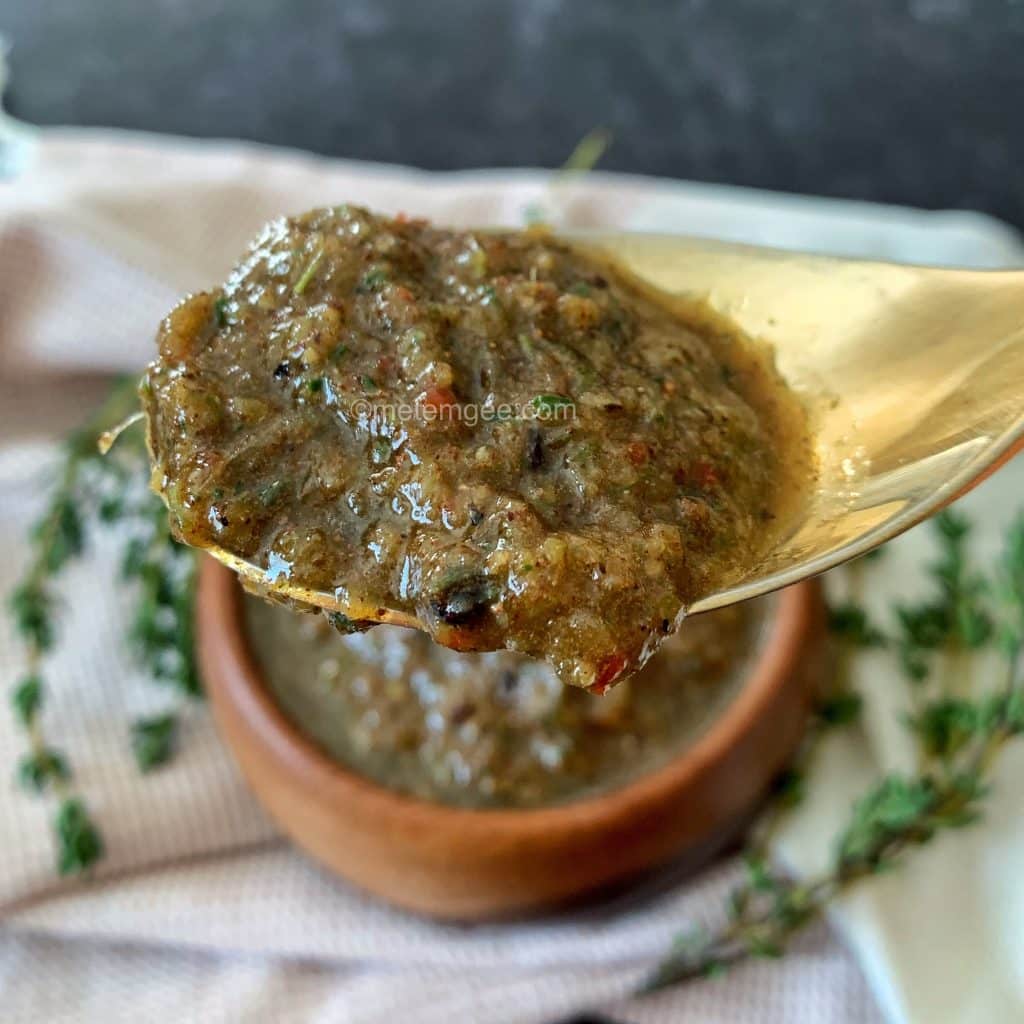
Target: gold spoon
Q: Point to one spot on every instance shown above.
(914, 378)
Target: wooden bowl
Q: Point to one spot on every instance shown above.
(469, 864)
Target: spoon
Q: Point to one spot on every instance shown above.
(913, 376)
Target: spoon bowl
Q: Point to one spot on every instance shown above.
(913, 378)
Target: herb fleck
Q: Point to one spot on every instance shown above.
(550, 403)
(80, 843)
(373, 280)
(220, 312)
(309, 272)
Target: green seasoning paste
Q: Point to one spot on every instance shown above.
(497, 433)
(498, 729)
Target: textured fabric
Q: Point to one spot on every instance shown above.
(199, 907)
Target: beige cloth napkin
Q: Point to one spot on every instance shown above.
(199, 908)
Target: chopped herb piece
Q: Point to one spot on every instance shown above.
(373, 280)
(476, 259)
(307, 275)
(337, 352)
(551, 403)
(368, 383)
(220, 312)
(270, 494)
(315, 385)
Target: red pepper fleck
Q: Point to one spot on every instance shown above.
(637, 452)
(457, 638)
(703, 474)
(609, 669)
(403, 218)
(438, 398)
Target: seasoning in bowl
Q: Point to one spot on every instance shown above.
(493, 729)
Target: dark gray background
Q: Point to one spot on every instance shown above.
(912, 101)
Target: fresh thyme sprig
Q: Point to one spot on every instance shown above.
(959, 737)
(94, 489)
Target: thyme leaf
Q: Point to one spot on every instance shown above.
(850, 621)
(27, 698)
(153, 740)
(41, 767)
(80, 843)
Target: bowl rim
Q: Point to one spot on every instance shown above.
(241, 675)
